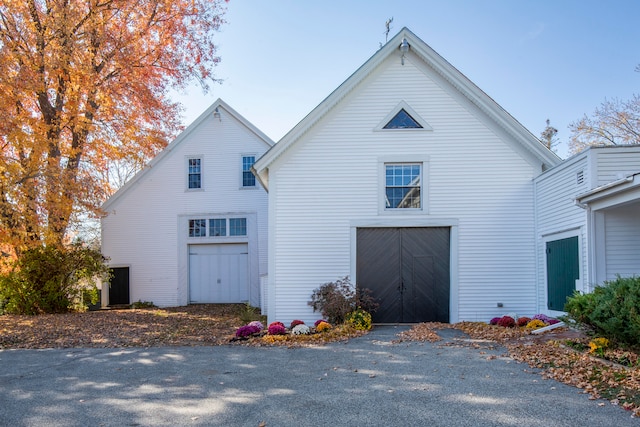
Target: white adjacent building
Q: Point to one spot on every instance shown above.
(191, 227)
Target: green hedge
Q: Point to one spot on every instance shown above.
(612, 309)
(52, 280)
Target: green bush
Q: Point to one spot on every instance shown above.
(359, 319)
(612, 309)
(337, 299)
(52, 280)
(143, 304)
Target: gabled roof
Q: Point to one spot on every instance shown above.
(465, 86)
(218, 104)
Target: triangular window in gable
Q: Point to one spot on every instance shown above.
(403, 117)
(402, 120)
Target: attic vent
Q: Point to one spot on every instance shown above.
(402, 120)
(580, 177)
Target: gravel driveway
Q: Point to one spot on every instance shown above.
(366, 382)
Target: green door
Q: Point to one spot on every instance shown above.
(563, 270)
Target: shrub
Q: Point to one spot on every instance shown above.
(522, 321)
(248, 313)
(359, 319)
(257, 324)
(143, 304)
(612, 309)
(247, 331)
(507, 322)
(47, 279)
(598, 346)
(543, 317)
(301, 329)
(323, 326)
(296, 323)
(276, 328)
(337, 299)
(535, 324)
(494, 321)
(317, 322)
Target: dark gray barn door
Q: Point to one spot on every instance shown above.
(563, 269)
(407, 270)
(119, 286)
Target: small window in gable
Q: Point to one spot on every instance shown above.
(402, 120)
(403, 117)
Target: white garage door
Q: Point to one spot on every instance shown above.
(218, 273)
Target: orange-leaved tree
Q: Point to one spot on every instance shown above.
(84, 84)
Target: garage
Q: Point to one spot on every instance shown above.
(219, 273)
(407, 271)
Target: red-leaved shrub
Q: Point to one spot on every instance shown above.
(507, 322)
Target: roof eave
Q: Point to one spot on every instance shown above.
(441, 66)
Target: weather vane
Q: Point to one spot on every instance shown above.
(388, 28)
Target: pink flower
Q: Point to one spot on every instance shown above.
(276, 328)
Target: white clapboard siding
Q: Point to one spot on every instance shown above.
(614, 163)
(622, 248)
(473, 176)
(146, 223)
(558, 216)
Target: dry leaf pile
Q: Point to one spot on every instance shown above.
(187, 326)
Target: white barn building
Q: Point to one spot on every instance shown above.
(191, 227)
(416, 184)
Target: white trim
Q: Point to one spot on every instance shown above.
(104, 290)
(255, 184)
(466, 87)
(616, 193)
(187, 158)
(251, 239)
(424, 187)
(580, 282)
(414, 115)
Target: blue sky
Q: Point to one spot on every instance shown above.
(539, 60)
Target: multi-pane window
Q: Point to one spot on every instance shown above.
(237, 226)
(195, 173)
(403, 185)
(217, 227)
(197, 227)
(248, 179)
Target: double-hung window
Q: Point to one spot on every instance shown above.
(403, 186)
(248, 179)
(194, 173)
